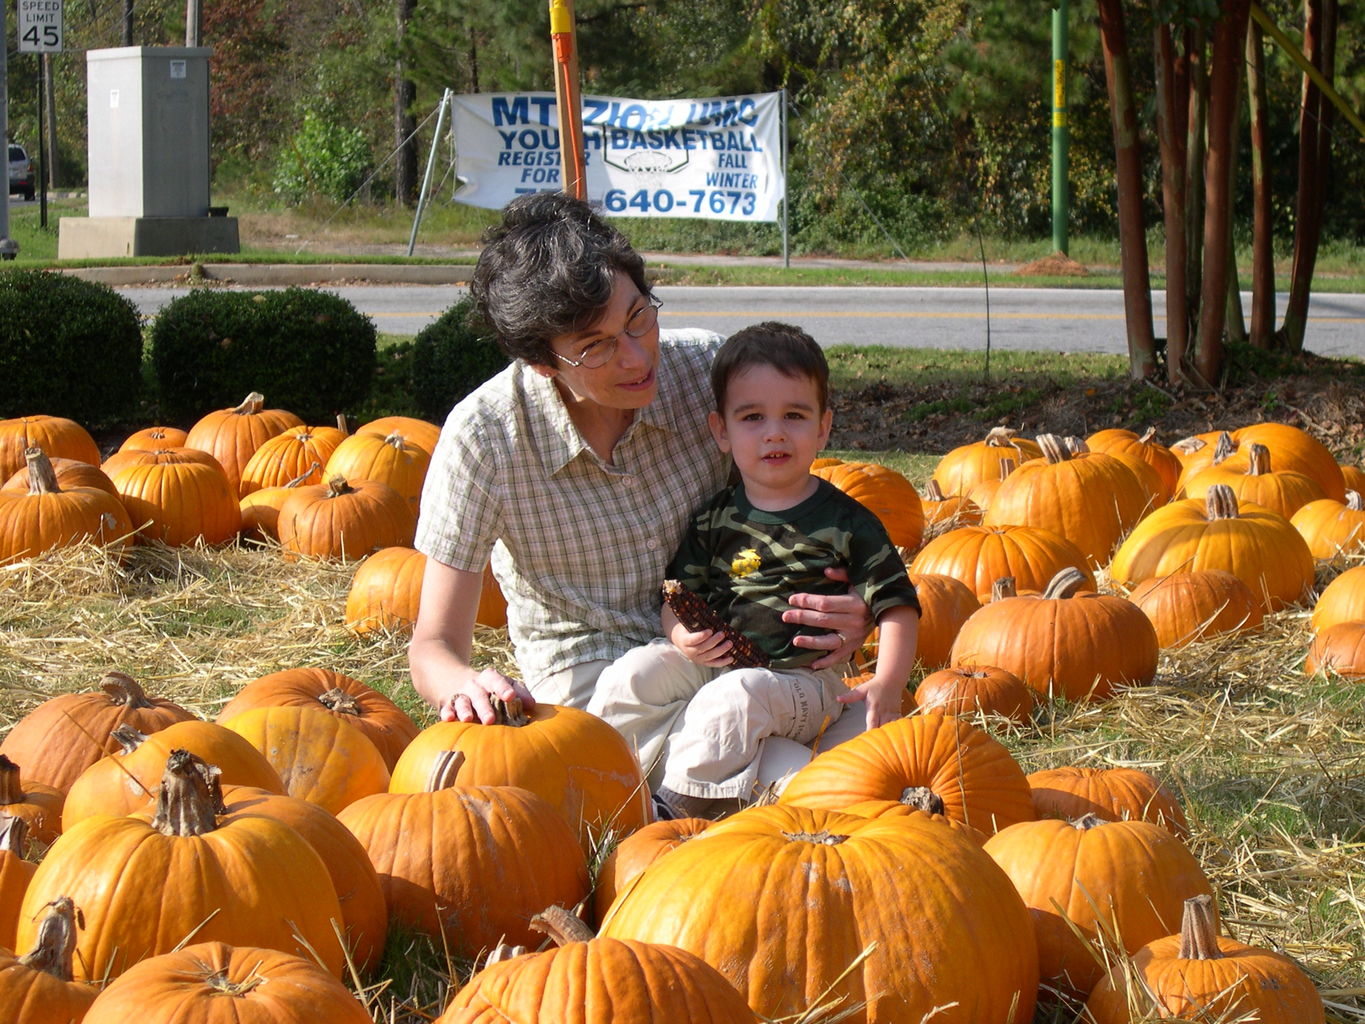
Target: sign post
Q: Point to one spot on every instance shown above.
(8, 247)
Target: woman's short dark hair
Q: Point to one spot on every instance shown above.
(549, 269)
(784, 347)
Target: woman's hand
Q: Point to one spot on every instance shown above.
(471, 702)
(846, 615)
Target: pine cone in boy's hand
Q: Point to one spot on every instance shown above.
(696, 615)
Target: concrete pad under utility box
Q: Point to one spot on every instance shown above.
(102, 237)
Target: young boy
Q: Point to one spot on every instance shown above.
(772, 534)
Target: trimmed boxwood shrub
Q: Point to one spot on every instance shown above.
(307, 351)
(450, 358)
(68, 348)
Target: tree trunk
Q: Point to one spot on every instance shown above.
(1315, 142)
(1262, 226)
(127, 22)
(1235, 327)
(50, 102)
(404, 124)
(1172, 98)
(1137, 280)
(1225, 76)
(1195, 148)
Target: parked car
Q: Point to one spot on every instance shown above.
(22, 177)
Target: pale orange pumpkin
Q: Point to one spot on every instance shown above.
(1331, 528)
(1186, 607)
(344, 519)
(965, 466)
(232, 435)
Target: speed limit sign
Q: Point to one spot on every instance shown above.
(40, 26)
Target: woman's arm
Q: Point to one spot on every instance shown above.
(846, 614)
(438, 656)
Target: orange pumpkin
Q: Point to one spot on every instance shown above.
(574, 760)
(1198, 974)
(1331, 528)
(48, 516)
(232, 435)
(16, 871)
(886, 493)
(148, 456)
(945, 604)
(943, 512)
(319, 756)
(57, 436)
(1256, 545)
(1117, 441)
(64, 735)
(980, 555)
(154, 438)
(1186, 607)
(415, 431)
(211, 982)
(147, 883)
(969, 770)
(38, 987)
(983, 688)
(40, 806)
(1114, 794)
(637, 851)
(1254, 481)
(391, 460)
(1338, 649)
(1342, 600)
(283, 459)
(341, 519)
(813, 910)
(376, 715)
(451, 858)
(178, 499)
(70, 473)
(1090, 498)
(1065, 642)
(961, 469)
(1095, 887)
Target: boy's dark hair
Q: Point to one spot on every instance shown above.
(784, 347)
(548, 269)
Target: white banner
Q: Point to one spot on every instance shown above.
(719, 159)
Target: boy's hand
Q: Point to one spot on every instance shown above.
(704, 647)
(883, 697)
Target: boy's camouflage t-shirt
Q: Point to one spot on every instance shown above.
(745, 562)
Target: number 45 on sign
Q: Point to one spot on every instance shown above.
(40, 26)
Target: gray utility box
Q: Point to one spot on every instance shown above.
(148, 135)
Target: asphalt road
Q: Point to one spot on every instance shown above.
(1038, 319)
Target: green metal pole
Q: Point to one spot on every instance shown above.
(1061, 131)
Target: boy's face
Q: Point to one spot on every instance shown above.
(774, 428)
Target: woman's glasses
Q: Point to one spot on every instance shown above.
(600, 352)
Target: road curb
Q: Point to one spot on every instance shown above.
(276, 274)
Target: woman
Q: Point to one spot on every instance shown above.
(575, 469)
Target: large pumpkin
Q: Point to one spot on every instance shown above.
(217, 983)
(415, 431)
(386, 593)
(799, 906)
(232, 435)
(298, 452)
(1256, 545)
(65, 735)
(38, 987)
(961, 469)
(980, 555)
(391, 459)
(146, 884)
(1254, 480)
(1114, 794)
(178, 499)
(453, 858)
(1342, 600)
(344, 519)
(57, 436)
(1331, 528)
(1198, 974)
(1186, 607)
(970, 771)
(1095, 887)
(69, 473)
(576, 761)
(376, 715)
(48, 516)
(637, 851)
(1090, 498)
(1066, 642)
(1118, 441)
(884, 492)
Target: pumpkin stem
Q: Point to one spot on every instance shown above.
(1187, 446)
(13, 834)
(251, 405)
(342, 425)
(42, 478)
(444, 768)
(1354, 501)
(922, 798)
(561, 925)
(337, 487)
(1004, 587)
(1198, 932)
(1075, 445)
(396, 441)
(1000, 437)
(1224, 447)
(184, 802)
(1053, 448)
(1258, 460)
(124, 689)
(1220, 503)
(54, 947)
(1066, 583)
(1088, 821)
(1148, 436)
(305, 476)
(502, 951)
(509, 712)
(218, 981)
(11, 785)
(1007, 466)
(128, 737)
(822, 838)
(339, 702)
(933, 491)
